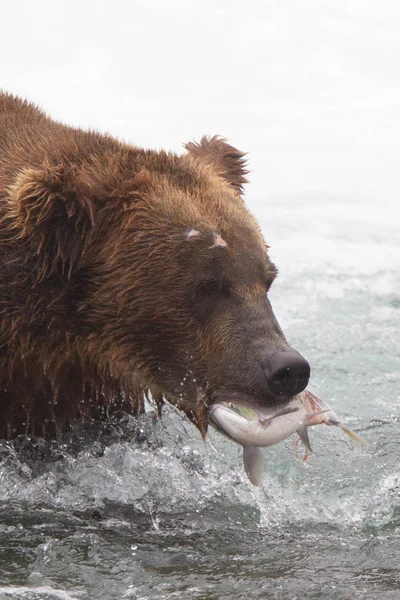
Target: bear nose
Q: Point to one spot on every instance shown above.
(287, 373)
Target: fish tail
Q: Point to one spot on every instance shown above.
(352, 434)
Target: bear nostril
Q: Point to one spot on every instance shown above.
(283, 376)
(304, 375)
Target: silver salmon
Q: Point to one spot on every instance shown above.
(253, 426)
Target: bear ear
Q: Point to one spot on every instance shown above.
(229, 162)
(53, 207)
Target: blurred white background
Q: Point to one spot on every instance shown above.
(310, 88)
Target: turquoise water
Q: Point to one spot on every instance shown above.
(146, 511)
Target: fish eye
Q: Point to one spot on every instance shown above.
(231, 405)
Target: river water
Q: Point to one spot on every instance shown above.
(146, 511)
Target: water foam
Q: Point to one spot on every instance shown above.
(38, 593)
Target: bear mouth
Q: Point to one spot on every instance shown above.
(198, 410)
(269, 400)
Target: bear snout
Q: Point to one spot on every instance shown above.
(287, 373)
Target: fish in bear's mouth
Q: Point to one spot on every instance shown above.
(254, 426)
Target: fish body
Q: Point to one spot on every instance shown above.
(253, 427)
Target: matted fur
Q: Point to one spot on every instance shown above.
(103, 296)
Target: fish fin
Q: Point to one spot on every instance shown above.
(315, 399)
(253, 461)
(281, 413)
(309, 418)
(352, 435)
(303, 435)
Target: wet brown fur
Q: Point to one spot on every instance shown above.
(98, 280)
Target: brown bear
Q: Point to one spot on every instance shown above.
(127, 271)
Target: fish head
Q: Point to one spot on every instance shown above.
(232, 418)
(243, 409)
(232, 412)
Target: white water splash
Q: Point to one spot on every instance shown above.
(38, 593)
